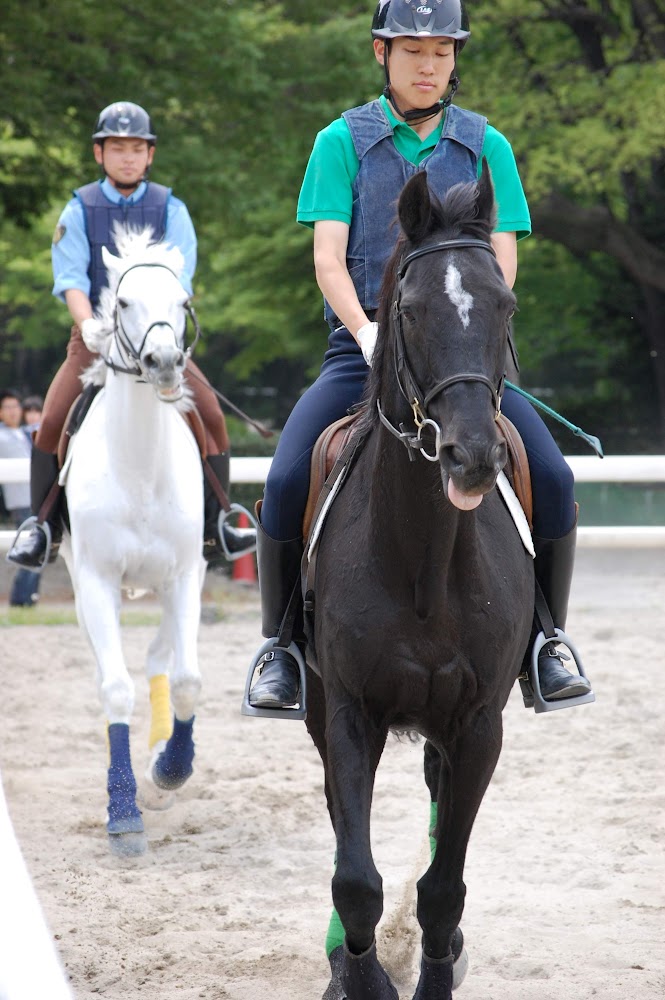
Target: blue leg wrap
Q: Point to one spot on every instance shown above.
(174, 765)
(124, 814)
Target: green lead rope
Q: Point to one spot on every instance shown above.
(589, 438)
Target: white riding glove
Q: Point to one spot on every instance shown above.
(93, 334)
(366, 337)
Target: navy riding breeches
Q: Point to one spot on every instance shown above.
(339, 386)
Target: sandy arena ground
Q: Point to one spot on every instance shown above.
(565, 873)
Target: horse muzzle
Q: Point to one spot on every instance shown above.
(164, 369)
(468, 473)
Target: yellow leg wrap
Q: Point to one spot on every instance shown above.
(162, 723)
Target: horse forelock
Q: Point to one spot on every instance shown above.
(135, 247)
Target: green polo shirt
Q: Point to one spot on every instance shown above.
(327, 188)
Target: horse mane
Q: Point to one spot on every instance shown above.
(455, 216)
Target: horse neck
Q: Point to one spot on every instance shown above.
(136, 423)
(410, 517)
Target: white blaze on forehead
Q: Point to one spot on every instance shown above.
(462, 300)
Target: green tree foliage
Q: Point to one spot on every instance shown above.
(238, 92)
(579, 87)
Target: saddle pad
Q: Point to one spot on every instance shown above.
(518, 466)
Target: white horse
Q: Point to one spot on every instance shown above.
(133, 481)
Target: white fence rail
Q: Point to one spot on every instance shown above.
(586, 469)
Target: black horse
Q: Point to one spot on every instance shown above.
(424, 594)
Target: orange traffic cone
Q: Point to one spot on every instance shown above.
(244, 568)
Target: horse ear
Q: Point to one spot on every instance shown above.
(415, 207)
(485, 203)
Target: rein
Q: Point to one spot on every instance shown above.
(406, 380)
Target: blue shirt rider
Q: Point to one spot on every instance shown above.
(124, 148)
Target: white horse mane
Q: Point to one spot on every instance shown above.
(135, 246)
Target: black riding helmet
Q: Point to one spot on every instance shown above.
(124, 120)
(424, 18)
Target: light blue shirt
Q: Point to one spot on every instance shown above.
(71, 254)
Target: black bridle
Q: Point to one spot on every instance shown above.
(406, 380)
(123, 341)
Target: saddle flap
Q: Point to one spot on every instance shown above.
(517, 466)
(329, 446)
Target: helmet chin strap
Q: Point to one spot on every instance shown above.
(417, 114)
(119, 184)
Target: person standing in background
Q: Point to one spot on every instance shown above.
(16, 442)
(32, 413)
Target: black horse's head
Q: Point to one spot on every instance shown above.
(444, 316)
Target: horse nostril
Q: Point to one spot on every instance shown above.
(498, 455)
(149, 360)
(456, 456)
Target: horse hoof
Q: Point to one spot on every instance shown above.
(169, 781)
(154, 798)
(460, 968)
(128, 845)
(150, 795)
(364, 976)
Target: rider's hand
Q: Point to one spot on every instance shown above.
(366, 337)
(93, 334)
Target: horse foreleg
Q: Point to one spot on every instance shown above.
(464, 776)
(98, 608)
(182, 610)
(158, 666)
(353, 753)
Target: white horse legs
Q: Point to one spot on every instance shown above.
(98, 610)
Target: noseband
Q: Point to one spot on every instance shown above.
(405, 378)
(125, 344)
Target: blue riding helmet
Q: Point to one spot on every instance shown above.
(124, 120)
(434, 18)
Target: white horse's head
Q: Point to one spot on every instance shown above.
(144, 310)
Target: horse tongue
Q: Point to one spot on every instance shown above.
(460, 500)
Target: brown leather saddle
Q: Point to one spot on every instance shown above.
(331, 444)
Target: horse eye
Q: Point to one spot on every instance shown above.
(123, 303)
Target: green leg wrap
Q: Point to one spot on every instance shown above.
(433, 811)
(335, 935)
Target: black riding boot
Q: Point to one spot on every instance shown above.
(238, 540)
(43, 477)
(555, 558)
(279, 569)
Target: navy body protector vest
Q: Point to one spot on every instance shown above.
(383, 173)
(100, 214)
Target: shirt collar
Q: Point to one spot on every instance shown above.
(117, 198)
